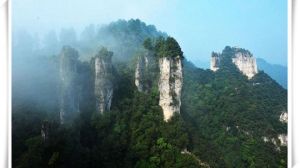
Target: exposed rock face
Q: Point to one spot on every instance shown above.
(140, 72)
(215, 61)
(69, 103)
(246, 63)
(280, 141)
(200, 162)
(266, 139)
(283, 139)
(170, 85)
(242, 58)
(283, 117)
(103, 81)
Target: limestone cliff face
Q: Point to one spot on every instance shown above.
(69, 103)
(283, 117)
(145, 71)
(215, 61)
(170, 85)
(280, 140)
(283, 139)
(140, 72)
(242, 59)
(103, 82)
(246, 63)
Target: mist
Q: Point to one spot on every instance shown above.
(36, 58)
(200, 27)
(95, 82)
(41, 29)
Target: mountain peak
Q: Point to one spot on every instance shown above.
(241, 58)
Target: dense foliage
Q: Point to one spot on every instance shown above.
(105, 54)
(163, 47)
(132, 134)
(122, 37)
(230, 115)
(224, 116)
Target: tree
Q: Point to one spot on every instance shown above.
(104, 53)
(148, 44)
(168, 47)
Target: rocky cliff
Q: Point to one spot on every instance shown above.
(283, 117)
(103, 80)
(241, 58)
(246, 63)
(69, 103)
(140, 73)
(215, 61)
(170, 85)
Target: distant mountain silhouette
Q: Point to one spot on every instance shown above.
(277, 72)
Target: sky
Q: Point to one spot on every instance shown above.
(200, 26)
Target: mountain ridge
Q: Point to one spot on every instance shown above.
(225, 118)
(276, 71)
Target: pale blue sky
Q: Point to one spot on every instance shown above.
(200, 26)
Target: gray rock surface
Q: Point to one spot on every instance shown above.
(69, 103)
(246, 64)
(243, 60)
(170, 85)
(140, 73)
(103, 83)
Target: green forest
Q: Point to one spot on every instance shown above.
(224, 118)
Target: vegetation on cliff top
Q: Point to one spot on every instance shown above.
(164, 47)
(104, 53)
(223, 119)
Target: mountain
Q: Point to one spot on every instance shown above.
(145, 107)
(240, 57)
(122, 37)
(235, 119)
(277, 72)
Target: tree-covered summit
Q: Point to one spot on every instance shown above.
(164, 47)
(104, 53)
(231, 51)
